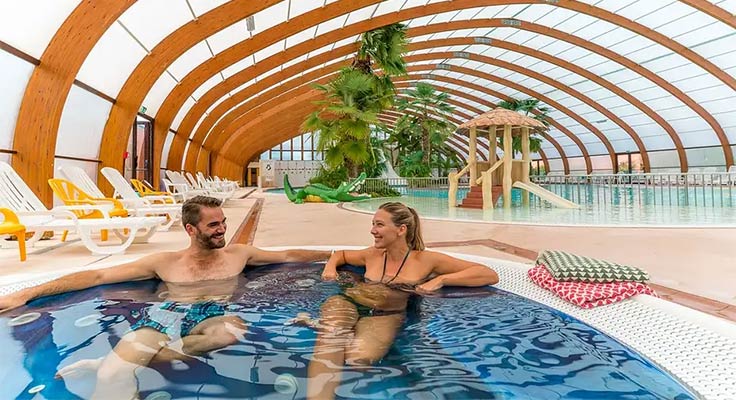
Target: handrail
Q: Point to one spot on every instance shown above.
(489, 170)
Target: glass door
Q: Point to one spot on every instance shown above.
(139, 157)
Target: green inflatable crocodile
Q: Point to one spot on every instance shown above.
(321, 193)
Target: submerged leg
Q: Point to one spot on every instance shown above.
(116, 371)
(373, 338)
(337, 319)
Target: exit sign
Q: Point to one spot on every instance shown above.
(143, 110)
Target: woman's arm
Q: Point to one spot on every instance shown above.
(342, 257)
(451, 271)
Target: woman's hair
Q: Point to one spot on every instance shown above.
(403, 215)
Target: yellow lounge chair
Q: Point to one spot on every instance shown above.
(11, 226)
(145, 191)
(72, 195)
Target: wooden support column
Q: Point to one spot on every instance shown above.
(526, 160)
(507, 157)
(472, 156)
(492, 144)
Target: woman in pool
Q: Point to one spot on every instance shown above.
(359, 327)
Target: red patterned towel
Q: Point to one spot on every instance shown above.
(588, 295)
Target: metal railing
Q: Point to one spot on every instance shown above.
(711, 189)
(416, 187)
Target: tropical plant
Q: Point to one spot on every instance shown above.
(354, 99)
(526, 107)
(428, 110)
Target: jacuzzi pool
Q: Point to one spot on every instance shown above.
(464, 343)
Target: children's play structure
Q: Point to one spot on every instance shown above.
(508, 171)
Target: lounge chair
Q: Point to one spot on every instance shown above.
(11, 226)
(177, 183)
(25, 207)
(138, 205)
(144, 189)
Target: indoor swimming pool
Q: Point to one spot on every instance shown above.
(460, 344)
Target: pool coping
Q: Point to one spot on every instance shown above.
(347, 207)
(697, 348)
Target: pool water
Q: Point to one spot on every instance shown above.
(462, 344)
(600, 205)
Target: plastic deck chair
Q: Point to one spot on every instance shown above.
(146, 191)
(140, 206)
(17, 197)
(71, 195)
(12, 226)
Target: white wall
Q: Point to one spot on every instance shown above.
(82, 123)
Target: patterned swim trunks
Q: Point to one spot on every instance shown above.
(172, 318)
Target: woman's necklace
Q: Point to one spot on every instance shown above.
(385, 258)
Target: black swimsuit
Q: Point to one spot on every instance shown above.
(365, 311)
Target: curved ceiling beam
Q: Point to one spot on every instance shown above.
(140, 82)
(585, 74)
(48, 88)
(481, 101)
(243, 128)
(199, 76)
(613, 56)
(239, 114)
(537, 95)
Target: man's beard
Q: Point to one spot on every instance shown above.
(207, 242)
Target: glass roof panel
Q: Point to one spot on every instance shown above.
(196, 55)
(266, 52)
(111, 61)
(202, 6)
(150, 21)
(228, 37)
(298, 7)
(209, 84)
(44, 16)
(363, 14)
(237, 67)
(158, 93)
(270, 17)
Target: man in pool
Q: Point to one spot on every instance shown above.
(198, 278)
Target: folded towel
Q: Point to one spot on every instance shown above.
(570, 267)
(588, 295)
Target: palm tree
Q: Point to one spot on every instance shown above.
(354, 99)
(434, 129)
(526, 107)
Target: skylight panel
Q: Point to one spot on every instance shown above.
(190, 60)
(389, 6)
(299, 7)
(331, 25)
(300, 37)
(150, 21)
(363, 14)
(205, 87)
(238, 66)
(270, 17)
(228, 37)
(45, 17)
(202, 6)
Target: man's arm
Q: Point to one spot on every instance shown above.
(453, 271)
(257, 256)
(141, 269)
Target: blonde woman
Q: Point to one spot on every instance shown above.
(359, 327)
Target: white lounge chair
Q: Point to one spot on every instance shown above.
(179, 179)
(136, 206)
(16, 196)
(177, 183)
(213, 186)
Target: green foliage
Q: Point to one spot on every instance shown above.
(382, 189)
(526, 107)
(353, 100)
(330, 177)
(411, 165)
(385, 46)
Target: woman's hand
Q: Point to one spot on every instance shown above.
(431, 285)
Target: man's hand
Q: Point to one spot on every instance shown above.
(430, 286)
(329, 274)
(12, 301)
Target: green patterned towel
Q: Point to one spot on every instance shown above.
(570, 267)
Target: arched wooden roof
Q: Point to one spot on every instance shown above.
(645, 76)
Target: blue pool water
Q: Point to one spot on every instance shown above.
(463, 344)
(600, 205)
